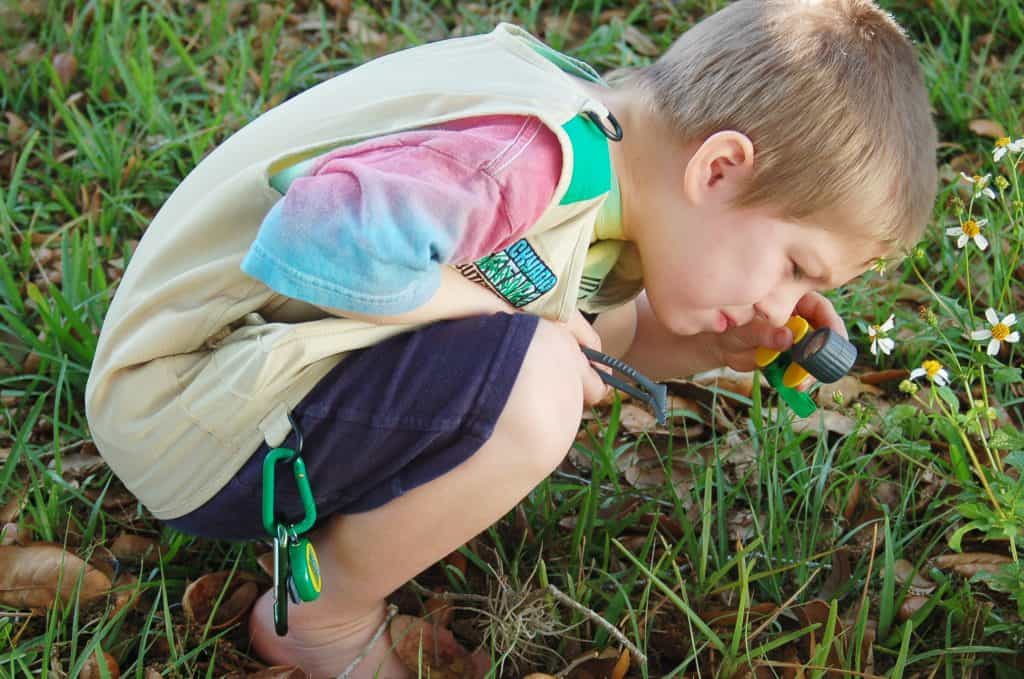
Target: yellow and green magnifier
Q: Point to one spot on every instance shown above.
(819, 352)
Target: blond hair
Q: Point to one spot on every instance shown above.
(831, 94)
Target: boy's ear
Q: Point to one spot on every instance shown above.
(719, 168)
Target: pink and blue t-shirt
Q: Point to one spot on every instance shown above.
(366, 228)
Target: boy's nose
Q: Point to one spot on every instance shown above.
(778, 307)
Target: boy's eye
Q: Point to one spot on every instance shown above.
(797, 271)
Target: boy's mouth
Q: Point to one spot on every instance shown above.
(725, 322)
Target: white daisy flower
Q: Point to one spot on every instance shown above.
(879, 338)
(1003, 145)
(999, 332)
(969, 230)
(980, 183)
(933, 370)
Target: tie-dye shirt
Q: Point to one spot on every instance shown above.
(367, 227)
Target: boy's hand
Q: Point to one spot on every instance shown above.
(594, 389)
(735, 348)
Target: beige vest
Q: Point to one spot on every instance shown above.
(198, 363)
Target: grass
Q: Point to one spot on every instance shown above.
(794, 549)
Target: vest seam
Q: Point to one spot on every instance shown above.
(522, 149)
(510, 145)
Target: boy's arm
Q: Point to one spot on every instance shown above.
(631, 332)
(455, 297)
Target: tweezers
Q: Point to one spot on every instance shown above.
(647, 390)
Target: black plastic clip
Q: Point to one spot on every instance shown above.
(615, 134)
(653, 394)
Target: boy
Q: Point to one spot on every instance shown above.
(399, 214)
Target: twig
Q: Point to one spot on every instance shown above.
(446, 596)
(611, 629)
(392, 612)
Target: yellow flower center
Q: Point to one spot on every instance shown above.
(977, 178)
(1002, 141)
(931, 368)
(971, 228)
(1000, 331)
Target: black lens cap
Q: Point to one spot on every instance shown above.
(825, 354)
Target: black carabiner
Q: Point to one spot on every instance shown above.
(616, 132)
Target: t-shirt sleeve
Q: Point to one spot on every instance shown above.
(369, 227)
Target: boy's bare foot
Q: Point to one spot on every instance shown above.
(323, 647)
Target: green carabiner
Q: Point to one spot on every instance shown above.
(301, 480)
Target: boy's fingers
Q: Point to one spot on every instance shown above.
(583, 331)
(594, 388)
(820, 312)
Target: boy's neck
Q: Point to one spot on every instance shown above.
(628, 155)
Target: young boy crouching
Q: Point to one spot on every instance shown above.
(398, 261)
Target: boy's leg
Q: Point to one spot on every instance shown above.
(366, 556)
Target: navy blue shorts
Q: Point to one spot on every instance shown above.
(385, 420)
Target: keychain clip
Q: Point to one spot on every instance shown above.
(296, 568)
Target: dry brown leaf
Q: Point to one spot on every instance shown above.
(741, 456)
(126, 592)
(830, 420)
(16, 127)
(10, 534)
(986, 128)
(134, 548)
(79, 465)
(103, 560)
(839, 576)
(266, 562)
(969, 564)
(29, 576)
(905, 572)
(66, 66)
(727, 379)
(595, 664)
(636, 420)
(741, 525)
(200, 596)
(91, 668)
(911, 605)
(849, 387)
(10, 511)
(882, 376)
(438, 611)
(642, 468)
(443, 657)
(887, 493)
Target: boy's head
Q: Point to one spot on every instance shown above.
(809, 114)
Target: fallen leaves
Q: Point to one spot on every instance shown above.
(969, 564)
(35, 576)
(986, 128)
(66, 66)
(201, 598)
(419, 641)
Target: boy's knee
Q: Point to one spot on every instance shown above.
(544, 408)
